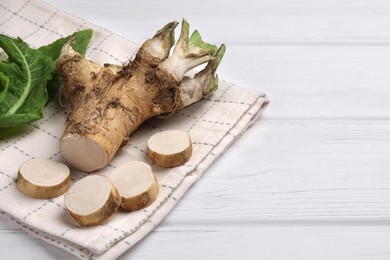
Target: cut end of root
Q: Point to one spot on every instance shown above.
(170, 148)
(43, 178)
(92, 200)
(83, 153)
(136, 184)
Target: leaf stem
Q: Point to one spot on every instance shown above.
(27, 87)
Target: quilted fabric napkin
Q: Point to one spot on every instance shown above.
(214, 124)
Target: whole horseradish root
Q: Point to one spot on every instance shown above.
(108, 103)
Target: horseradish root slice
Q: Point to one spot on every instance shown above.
(92, 200)
(136, 184)
(170, 148)
(43, 178)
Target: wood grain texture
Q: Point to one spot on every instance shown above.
(267, 242)
(310, 179)
(246, 21)
(311, 170)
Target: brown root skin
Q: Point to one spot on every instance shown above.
(78, 75)
(143, 200)
(111, 106)
(170, 160)
(109, 103)
(100, 216)
(41, 192)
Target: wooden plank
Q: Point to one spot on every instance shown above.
(260, 22)
(259, 242)
(228, 241)
(314, 81)
(298, 171)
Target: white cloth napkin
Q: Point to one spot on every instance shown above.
(214, 124)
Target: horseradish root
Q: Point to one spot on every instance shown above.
(170, 148)
(109, 103)
(43, 178)
(92, 200)
(136, 184)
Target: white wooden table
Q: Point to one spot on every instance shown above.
(311, 178)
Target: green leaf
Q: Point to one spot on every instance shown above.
(23, 82)
(28, 78)
(4, 84)
(199, 46)
(80, 45)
